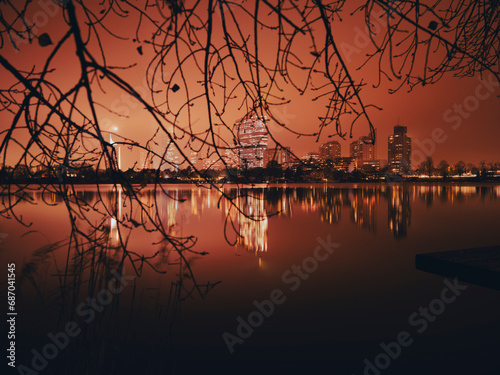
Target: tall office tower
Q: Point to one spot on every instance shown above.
(399, 150)
(329, 150)
(363, 150)
(252, 135)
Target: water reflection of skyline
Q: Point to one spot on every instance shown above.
(249, 216)
(249, 211)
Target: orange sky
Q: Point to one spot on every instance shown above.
(435, 123)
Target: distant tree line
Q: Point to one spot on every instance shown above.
(309, 171)
(445, 170)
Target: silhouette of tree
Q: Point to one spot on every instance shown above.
(451, 37)
(428, 166)
(444, 168)
(471, 167)
(460, 168)
(483, 170)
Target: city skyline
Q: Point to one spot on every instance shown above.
(378, 152)
(255, 151)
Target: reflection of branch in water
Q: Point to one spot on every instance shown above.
(69, 293)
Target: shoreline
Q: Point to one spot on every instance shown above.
(246, 184)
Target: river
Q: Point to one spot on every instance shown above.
(320, 279)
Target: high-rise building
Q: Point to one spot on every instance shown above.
(330, 150)
(363, 150)
(399, 150)
(252, 135)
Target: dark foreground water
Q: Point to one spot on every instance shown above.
(322, 282)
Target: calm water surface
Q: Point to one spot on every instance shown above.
(332, 316)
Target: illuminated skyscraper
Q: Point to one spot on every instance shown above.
(329, 150)
(363, 150)
(399, 150)
(252, 135)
